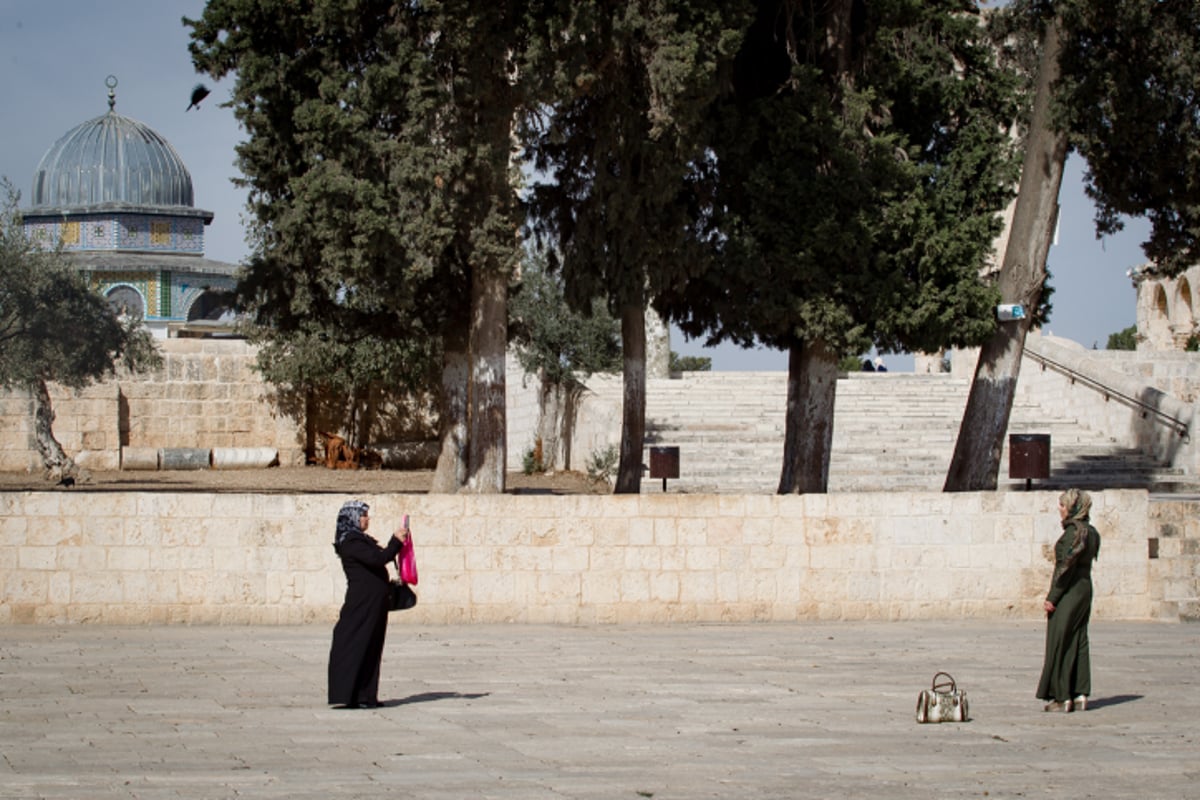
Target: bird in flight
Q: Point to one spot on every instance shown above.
(198, 94)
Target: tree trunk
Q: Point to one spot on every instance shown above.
(451, 472)
(569, 416)
(487, 455)
(551, 401)
(808, 432)
(976, 462)
(310, 425)
(356, 433)
(633, 406)
(658, 345)
(54, 458)
(557, 411)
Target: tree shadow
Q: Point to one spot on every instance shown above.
(429, 697)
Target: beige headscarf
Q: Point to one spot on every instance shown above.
(1078, 504)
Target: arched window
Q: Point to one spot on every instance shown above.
(212, 305)
(1185, 319)
(1158, 331)
(126, 300)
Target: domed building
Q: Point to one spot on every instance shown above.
(119, 198)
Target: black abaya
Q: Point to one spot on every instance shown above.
(357, 649)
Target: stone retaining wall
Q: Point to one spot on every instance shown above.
(1161, 381)
(86, 424)
(1174, 544)
(1142, 374)
(208, 394)
(79, 557)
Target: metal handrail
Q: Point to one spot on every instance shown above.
(1177, 425)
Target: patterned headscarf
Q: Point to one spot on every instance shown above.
(349, 520)
(1078, 504)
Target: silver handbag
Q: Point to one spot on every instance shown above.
(943, 701)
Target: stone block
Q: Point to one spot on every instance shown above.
(642, 559)
(703, 558)
(36, 559)
(640, 532)
(697, 587)
(80, 558)
(128, 559)
(525, 559)
(491, 588)
(767, 557)
(95, 588)
(598, 588)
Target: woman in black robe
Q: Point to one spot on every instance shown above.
(357, 649)
(1066, 678)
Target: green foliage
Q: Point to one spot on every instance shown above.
(376, 160)
(1193, 344)
(1123, 340)
(850, 364)
(602, 464)
(53, 326)
(615, 152)
(860, 181)
(689, 363)
(532, 462)
(327, 358)
(565, 346)
(619, 146)
(1128, 101)
(349, 221)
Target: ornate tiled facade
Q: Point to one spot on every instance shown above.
(150, 233)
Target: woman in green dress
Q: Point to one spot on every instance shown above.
(1067, 670)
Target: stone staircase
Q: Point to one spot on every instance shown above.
(892, 432)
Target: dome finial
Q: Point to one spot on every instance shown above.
(111, 83)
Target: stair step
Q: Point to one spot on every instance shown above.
(891, 432)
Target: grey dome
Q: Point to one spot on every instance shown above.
(111, 159)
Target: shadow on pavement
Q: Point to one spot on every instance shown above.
(429, 697)
(1115, 700)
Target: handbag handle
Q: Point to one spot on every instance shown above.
(947, 685)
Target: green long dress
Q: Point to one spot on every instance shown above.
(1067, 669)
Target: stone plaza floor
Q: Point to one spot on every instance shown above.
(807, 710)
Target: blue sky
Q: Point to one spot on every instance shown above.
(56, 55)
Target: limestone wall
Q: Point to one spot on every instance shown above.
(1169, 381)
(521, 411)
(76, 557)
(207, 394)
(1175, 372)
(1166, 308)
(1174, 543)
(86, 422)
(1166, 382)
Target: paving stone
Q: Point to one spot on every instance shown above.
(807, 710)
